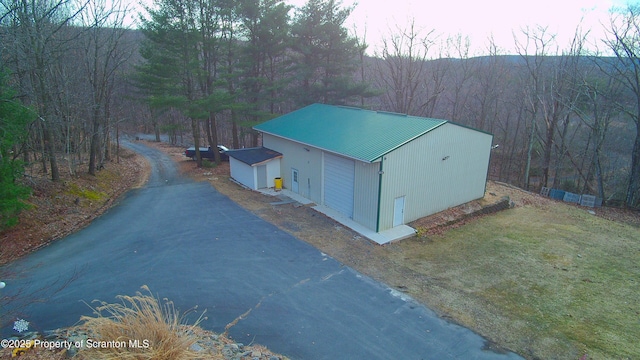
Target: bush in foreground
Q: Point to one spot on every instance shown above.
(140, 317)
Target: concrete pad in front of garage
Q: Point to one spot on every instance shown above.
(384, 237)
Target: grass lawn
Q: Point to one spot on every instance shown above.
(550, 281)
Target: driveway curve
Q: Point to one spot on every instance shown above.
(191, 244)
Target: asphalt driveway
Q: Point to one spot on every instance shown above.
(191, 244)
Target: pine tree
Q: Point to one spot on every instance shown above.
(264, 61)
(170, 75)
(14, 122)
(326, 55)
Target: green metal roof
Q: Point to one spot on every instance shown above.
(356, 133)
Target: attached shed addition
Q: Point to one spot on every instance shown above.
(255, 168)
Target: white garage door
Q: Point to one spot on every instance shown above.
(338, 183)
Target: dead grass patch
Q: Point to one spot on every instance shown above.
(158, 329)
(550, 282)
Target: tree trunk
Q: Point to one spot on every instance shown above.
(195, 127)
(600, 182)
(214, 136)
(546, 162)
(95, 144)
(633, 198)
(43, 149)
(107, 140)
(95, 139)
(529, 151)
(156, 130)
(207, 128)
(561, 152)
(48, 145)
(234, 129)
(254, 138)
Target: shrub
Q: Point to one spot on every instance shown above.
(14, 129)
(140, 317)
(206, 164)
(12, 193)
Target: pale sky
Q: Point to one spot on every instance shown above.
(479, 19)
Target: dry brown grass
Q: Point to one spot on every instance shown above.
(142, 317)
(546, 279)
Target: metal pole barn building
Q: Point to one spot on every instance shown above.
(380, 169)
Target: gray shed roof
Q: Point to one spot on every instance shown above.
(253, 156)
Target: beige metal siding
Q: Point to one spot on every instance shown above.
(307, 160)
(365, 207)
(443, 168)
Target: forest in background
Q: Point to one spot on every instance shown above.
(75, 77)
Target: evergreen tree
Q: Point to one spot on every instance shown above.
(265, 25)
(14, 122)
(171, 73)
(263, 61)
(326, 55)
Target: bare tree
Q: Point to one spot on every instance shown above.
(103, 56)
(624, 42)
(403, 71)
(40, 36)
(596, 108)
(534, 85)
(558, 93)
(491, 82)
(458, 53)
(568, 78)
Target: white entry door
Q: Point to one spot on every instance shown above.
(294, 180)
(398, 211)
(262, 176)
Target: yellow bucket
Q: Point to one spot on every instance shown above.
(278, 183)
